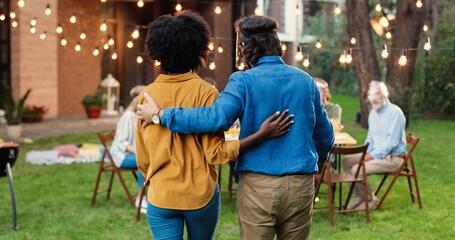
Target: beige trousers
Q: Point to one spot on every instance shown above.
(388, 164)
(274, 205)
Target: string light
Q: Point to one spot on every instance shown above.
(384, 53)
(419, 4)
(157, 63)
(21, 3)
(427, 45)
(211, 46)
(106, 46)
(32, 29)
(135, 34)
(283, 47)
(353, 41)
(220, 49)
(388, 35)
(402, 60)
(318, 44)
(83, 36)
(63, 41)
(337, 10)
(241, 66)
(212, 66)
(257, 11)
(299, 55)
(384, 22)
(43, 35)
(306, 61)
(130, 44)
(103, 26)
(103, 1)
(96, 51)
(48, 10)
(78, 47)
(59, 29)
(378, 7)
(349, 56)
(178, 7)
(110, 41)
(140, 3)
(33, 21)
(139, 59)
(297, 10)
(425, 27)
(12, 15)
(14, 23)
(2, 17)
(114, 55)
(218, 9)
(73, 18)
(342, 58)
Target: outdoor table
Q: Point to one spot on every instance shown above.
(8, 155)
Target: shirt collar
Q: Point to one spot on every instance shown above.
(269, 59)
(176, 78)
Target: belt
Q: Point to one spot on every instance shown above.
(396, 156)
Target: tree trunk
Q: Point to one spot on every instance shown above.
(364, 57)
(399, 79)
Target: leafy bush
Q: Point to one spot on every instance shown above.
(96, 100)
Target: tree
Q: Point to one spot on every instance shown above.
(405, 30)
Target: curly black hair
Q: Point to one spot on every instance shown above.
(257, 36)
(178, 41)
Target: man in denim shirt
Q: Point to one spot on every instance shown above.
(275, 192)
(387, 142)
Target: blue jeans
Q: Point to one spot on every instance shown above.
(200, 223)
(130, 162)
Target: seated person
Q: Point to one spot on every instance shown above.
(123, 148)
(333, 110)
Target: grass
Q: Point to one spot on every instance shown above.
(53, 202)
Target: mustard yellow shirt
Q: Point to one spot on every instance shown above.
(179, 168)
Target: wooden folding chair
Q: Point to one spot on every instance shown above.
(331, 178)
(404, 171)
(107, 165)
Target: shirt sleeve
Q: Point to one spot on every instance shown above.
(323, 135)
(217, 117)
(397, 124)
(122, 131)
(142, 157)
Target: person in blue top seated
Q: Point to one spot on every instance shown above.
(275, 192)
(387, 142)
(123, 147)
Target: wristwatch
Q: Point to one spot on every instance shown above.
(156, 117)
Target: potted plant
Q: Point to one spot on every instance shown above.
(93, 104)
(13, 110)
(34, 113)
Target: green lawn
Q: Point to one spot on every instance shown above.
(53, 202)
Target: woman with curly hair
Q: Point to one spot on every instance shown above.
(179, 168)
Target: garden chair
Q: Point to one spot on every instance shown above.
(107, 165)
(331, 178)
(407, 169)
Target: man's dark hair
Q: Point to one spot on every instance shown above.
(178, 41)
(257, 36)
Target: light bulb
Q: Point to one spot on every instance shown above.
(220, 49)
(212, 66)
(135, 33)
(299, 56)
(78, 47)
(12, 15)
(103, 1)
(140, 3)
(96, 51)
(378, 7)
(297, 10)
(425, 27)
(348, 58)
(211, 46)
(427, 45)
(384, 53)
(32, 29)
(318, 44)
(73, 18)
(114, 56)
(402, 60)
(384, 22)
(178, 7)
(59, 29)
(257, 11)
(283, 47)
(48, 10)
(103, 26)
(139, 59)
(2, 17)
(388, 35)
(419, 4)
(342, 58)
(337, 10)
(110, 41)
(353, 41)
(157, 63)
(218, 9)
(306, 61)
(63, 41)
(33, 22)
(21, 3)
(241, 66)
(129, 44)
(43, 35)
(14, 23)
(83, 36)
(106, 46)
